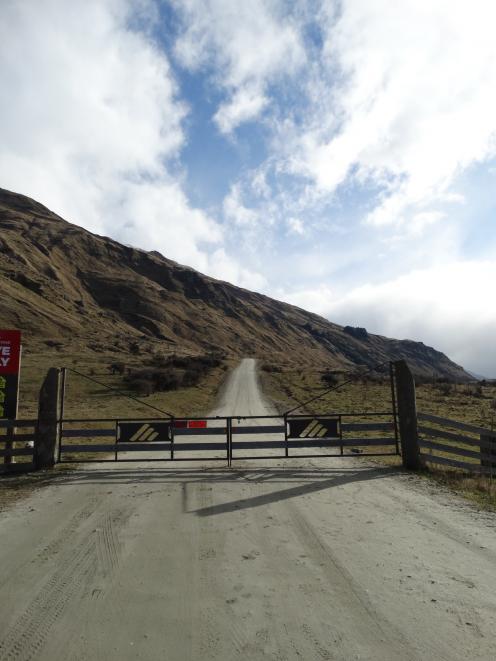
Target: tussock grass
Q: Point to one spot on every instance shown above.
(479, 489)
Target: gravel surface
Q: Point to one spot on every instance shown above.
(321, 559)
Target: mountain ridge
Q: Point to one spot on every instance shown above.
(62, 284)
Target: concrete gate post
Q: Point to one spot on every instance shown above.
(47, 435)
(407, 416)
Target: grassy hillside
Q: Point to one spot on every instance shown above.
(78, 296)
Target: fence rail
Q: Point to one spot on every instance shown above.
(14, 444)
(441, 446)
(464, 426)
(5, 424)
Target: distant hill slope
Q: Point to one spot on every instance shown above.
(61, 284)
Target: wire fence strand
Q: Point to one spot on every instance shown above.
(120, 392)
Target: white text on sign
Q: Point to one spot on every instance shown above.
(4, 356)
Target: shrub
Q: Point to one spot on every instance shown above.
(274, 369)
(166, 380)
(444, 388)
(190, 379)
(329, 378)
(149, 380)
(473, 391)
(171, 373)
(143, 386)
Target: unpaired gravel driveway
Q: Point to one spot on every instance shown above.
(322, 559)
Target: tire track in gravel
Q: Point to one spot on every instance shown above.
(85, 556)
(108, 545)
(28, 635)
(46, 552)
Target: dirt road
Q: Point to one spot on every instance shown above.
(330, 559)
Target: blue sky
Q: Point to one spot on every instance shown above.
(340, 156)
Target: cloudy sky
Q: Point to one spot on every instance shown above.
(336, 154)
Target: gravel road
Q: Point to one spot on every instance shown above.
(296, 560)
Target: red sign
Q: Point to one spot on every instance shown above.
(10, 351)
(10, 361)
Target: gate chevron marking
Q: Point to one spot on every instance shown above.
(308, 429)
(149, 435)
(313, 429)
(144, 433)
(318, 430)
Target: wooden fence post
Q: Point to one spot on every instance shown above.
(47, 434)
(9, 445)
(407, 415)
(488, 448)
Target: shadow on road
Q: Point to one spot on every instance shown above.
(338, 479)
(307, 480)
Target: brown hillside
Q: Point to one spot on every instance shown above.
(64, 286)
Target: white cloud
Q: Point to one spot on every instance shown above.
(296, 226)
(259, 184)
(250, 45)
(414, 105)
(157, 216)
(90, 119)
(235, 210)
(421, 221)
(449, 307)
(224, 267)
(316, 299)
(247, 103)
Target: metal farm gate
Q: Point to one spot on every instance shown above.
(230, 438)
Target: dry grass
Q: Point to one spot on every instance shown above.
(462, 402)
(481, 490)
(86, 399)
(292, 386)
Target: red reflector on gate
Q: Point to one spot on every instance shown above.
(197, 424)
(190, 424)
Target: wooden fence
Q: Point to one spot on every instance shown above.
(17, 439)
(457, 444)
